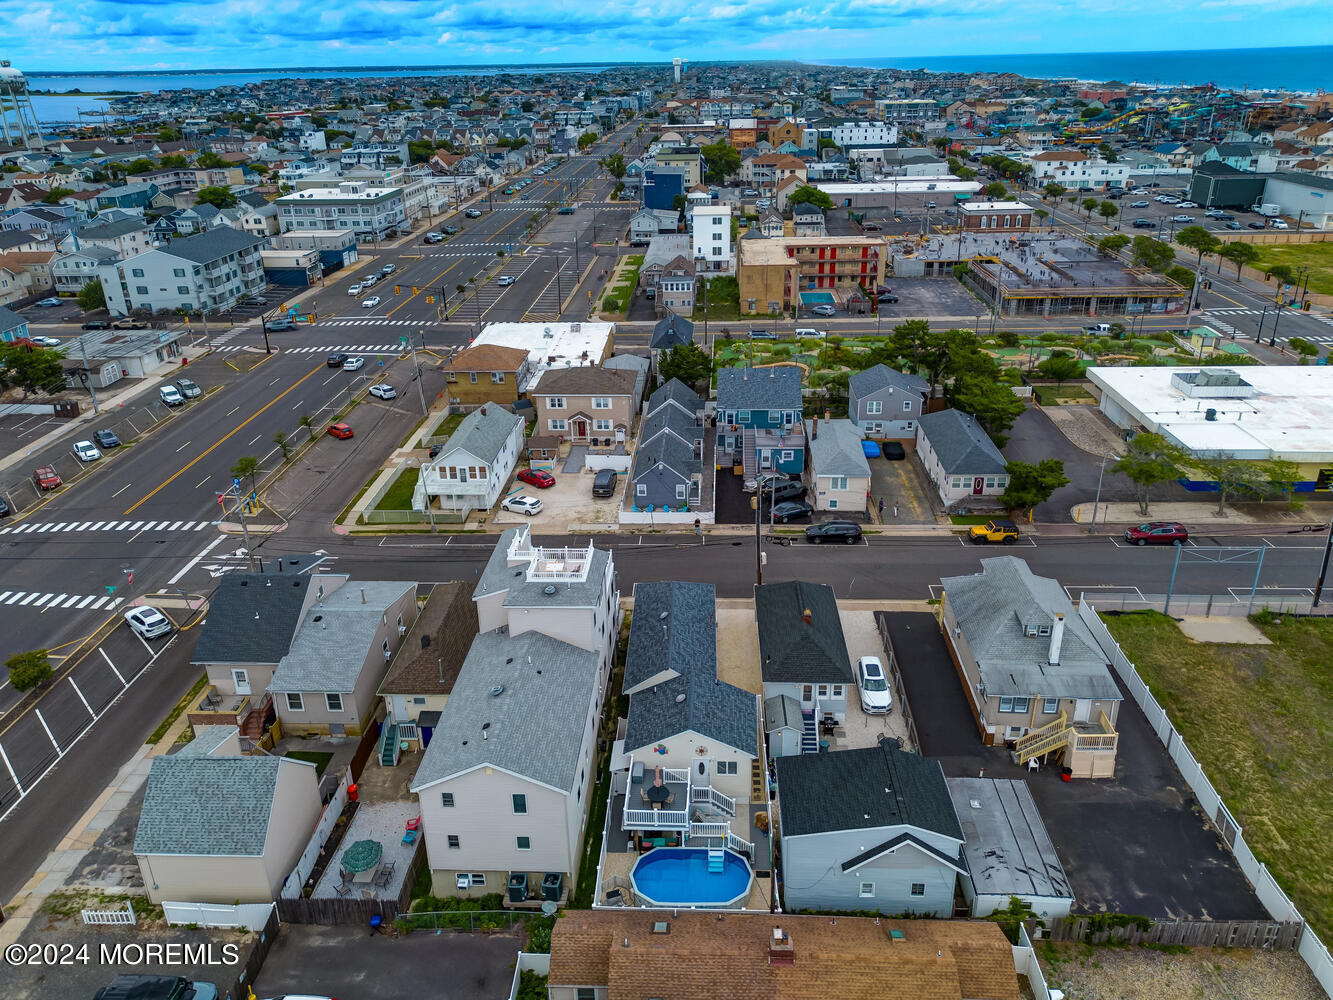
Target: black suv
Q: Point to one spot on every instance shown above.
(604, 483)
(790, 510)
(848, 532)
(781, 490)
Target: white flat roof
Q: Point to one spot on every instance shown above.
(551, 345)
(1287, 415)
(907, 185)
(994, 206)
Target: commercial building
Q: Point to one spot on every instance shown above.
(209, 272)
(336, 247)
(366, 210)
(884, 194)
(552, 345)
(1304, 198)
(1075, 170)
(775, 274)
(995, 216)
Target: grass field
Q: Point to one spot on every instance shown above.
(319, 758)
(1318, 257)
(1260, 721)
(399, 495)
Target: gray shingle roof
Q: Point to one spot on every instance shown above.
(962, 447)
(782, 712)
(206, 740)
(585, 381)
(212, 244)
(212, 806)
(675, 391)
(669, 418)
(536, 723)
(668, 451)
(10, 320)
(333, 642)
(482, 433)
(525, 593)
(835, 448)
(673, 629)
(863, 789)
(993, 608)
(670, 331)
(498, 574)
(792, 652)
(759, 388)
(696, 702)
(111, 230)
(879, 377)
(252, 618)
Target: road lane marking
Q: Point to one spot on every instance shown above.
(202, 481)
(110, 664)
(86, 601)
(183, 447)
(254, 439)
(73, 600)
(195, 561)
(121, 490)
(232, 410)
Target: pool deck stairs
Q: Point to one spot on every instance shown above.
(716, 860)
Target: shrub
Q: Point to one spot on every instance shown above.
(28, 670)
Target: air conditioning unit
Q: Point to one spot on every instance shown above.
(402, 630)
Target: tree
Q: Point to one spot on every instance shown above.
(1240, 254)
(54, 196)
(1113, 244)
(27, 670)
(284, 446)
(1151, 253)
(247, 467)
(1054, 191)
(687, 362)
(1282, 272)
(965, 173)
(811, 196)
(825, 143)
(420, 150)
(142, 165)
(587, 139)
(1016, 913)
(175, 161)
(527, 107)
(209, 160)
(91, 296)
(1108, 153)
(1148, 460)
(1108, 210)
(1091, 111)
(1030, 485)
(31, 369)
(1232, 475)
(1061, 366)
(1282, 477)
(215, 195)
(1088, 205)
(720, 161)
(613, 164)
(1180, 274)
(1200, 240)
(1303, 347)
(993, 404)
(995, 190)
(1041, 215)
(308, 422)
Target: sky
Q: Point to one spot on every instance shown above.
(143, 35)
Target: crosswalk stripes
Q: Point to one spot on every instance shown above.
(37, 600)
(64, 527)
(374, 321)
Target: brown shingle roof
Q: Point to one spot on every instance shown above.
(586, 381)
(706, 956)
(1059, 154)
(449, 619)
(487, 358)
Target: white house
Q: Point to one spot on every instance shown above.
(959, 457)
(711, 231)
(368, 210)
(1074, 169)
(476, 462)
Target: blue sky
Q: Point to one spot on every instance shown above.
(140, 35)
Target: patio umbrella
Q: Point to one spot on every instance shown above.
(362, 856)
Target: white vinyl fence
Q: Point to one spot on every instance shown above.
(1026, 964)
(250, 916)
(291, 888)
(1279, 906)
(125, 916)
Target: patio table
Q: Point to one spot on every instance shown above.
(362, 858)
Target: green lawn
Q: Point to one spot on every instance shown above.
(1260, 721)
(316, 757)
(399, 495)
(1054, 395)
(1318, 257)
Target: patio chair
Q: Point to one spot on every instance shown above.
(343, 888)
(383, 877)
(643, 794)
(389, 866)
(410, 837)
(671, 797)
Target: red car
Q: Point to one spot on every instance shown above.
(341, 431)
(536, 477)
(1157, 533)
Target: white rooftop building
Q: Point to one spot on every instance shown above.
(552, 345)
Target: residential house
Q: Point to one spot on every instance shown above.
(671, 331)
(666, 474)
(35, 268)
(770, 224)
(15, 282)
(475, 463)
(759, 419)
(12, 326)
(586, 404)
(774, 272)
(675, 286)
(672, 253)
(1034, 675)
(676, 394)
(209, 272)
(839, 475)
(650, 222)
(808, 220)
(485, 372)
(767, 171)
(636, 365)
(126, 237)
(1076, 170)
(608, 954)
(802, 651)
(886, 403)
(132, 195)
(959, 457)
(872, 828)
(49, 220)
(223, 829)
(710, 226)
(504, 785)
(326, 683)
(71, 271)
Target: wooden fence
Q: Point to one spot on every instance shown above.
(1267, 934)
(327, 912)
(369, 740)
(240, 988)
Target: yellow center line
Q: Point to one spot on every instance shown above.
(236, 430)
(431, 284)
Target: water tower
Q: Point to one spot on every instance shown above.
(18, 120)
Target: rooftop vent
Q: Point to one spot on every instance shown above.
(680, 699)
(497, 690)
(319, 618)
(549, 590)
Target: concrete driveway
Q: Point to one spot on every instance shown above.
(568, 502)
(903, 484)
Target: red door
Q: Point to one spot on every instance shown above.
(978, 482)
(581, 431)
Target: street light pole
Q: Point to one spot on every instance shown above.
(1097, 502)
(417, 369)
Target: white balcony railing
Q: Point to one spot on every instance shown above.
(710, 829)
(656, 819)
(712, 797)
(737, 844)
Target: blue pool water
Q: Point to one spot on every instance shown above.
(681, 875)
(815, 298)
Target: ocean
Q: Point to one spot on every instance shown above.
(1305, 68)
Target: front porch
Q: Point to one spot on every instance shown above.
(251, 714)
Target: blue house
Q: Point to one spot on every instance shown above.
(12, 326)
(759, 419)
(661, 185)
(132, 195)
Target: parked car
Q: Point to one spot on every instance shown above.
(887, 299)
(791, 510)
(893, 451)
(147, 621)
(97, 324)
(1278, 224)
(337, 360)
(44, 341)
(1256, 225)
(106, 439)
(1158, 533)
(85, 452)
(522, 504)
(189, 388)
(381, 390)
(848, 532)
(354, 289)
(450, 230)
(371, 302)
(1217, 213)
(473, 213)
(388, 269)
(354, 364)
(1188, 204)
(1004, 532)
(873, 683)
(1234, 225)
(4, 508)
(867, 227)
(434, 237)
(170, 395)
(47, 303)
(750, 485)
(539, 478)
(370, 280)
(1182, 218)
(128, 324)
(340, 430)
(46, 478)
(505, 280)
(824, 309)
(604, 483)
(776, 492)
(1139, 204)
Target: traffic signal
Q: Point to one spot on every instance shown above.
(396, 289)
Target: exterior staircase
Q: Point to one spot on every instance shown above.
(1052, 736)
(389, 745)
(716, 861)
(757, 782)
(749, 457)
(810, 732)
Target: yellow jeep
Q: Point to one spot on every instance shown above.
(993, 531)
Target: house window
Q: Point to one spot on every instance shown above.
(140, 289)
(137, 272)
(333, 701)
(477, 878)
(726, 767)
(447, 800)
(907, 406)
(837, 690)
(823, 690)
(918, 888)
(294, 702)
(640, 490)
(453, 841)
(472, 377)
(601, 425)
(788, 455)
(867, 890)
(555, 402)
(601, 402)
(523, 843)
(1017, 705)
(873, 406)
(743, 417)
(1043, 630)
(520, 804)
(585, 993)
(182, 290)
(680, 491)
(497, 378)
(837, 482)
(833, 505)
(1049, 706)
(556, 424)
(178, 272)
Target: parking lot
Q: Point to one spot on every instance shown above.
(902, 485)
(928, 297)
(569, 502)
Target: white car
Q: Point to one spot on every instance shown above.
(170, 395)
(388, 269)
(369, 280)
(805, 331)
(354, 289)
(371, 302)
(354, 364)
(148, 622)
(382, 391)
(44, 341)
(504, 280)
(86, 451)
(522, 504)
(1188, 204)
(1279, 224)
(1182, 218)
(876, 698)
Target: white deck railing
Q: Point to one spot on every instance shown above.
(656, 819)
(737, 844)
(710, 829)
(712, 797)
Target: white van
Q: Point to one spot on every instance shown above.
(1097, 329)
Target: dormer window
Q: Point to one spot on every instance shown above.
(1043, 630)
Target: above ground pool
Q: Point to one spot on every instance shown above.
(681, 876)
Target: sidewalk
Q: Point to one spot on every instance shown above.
(1199, 516)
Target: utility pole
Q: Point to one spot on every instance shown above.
(758, 547)
(1323, 567)
(87, 374)
(416, 368)
(1097, 502)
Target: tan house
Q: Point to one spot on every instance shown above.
(423, 671)
(486, 372)
(326, 683)
(773, 272)
(15, 283)
(609, 954)
(586, 404)
(38, 265)
(223, 829)
(1036, 679)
